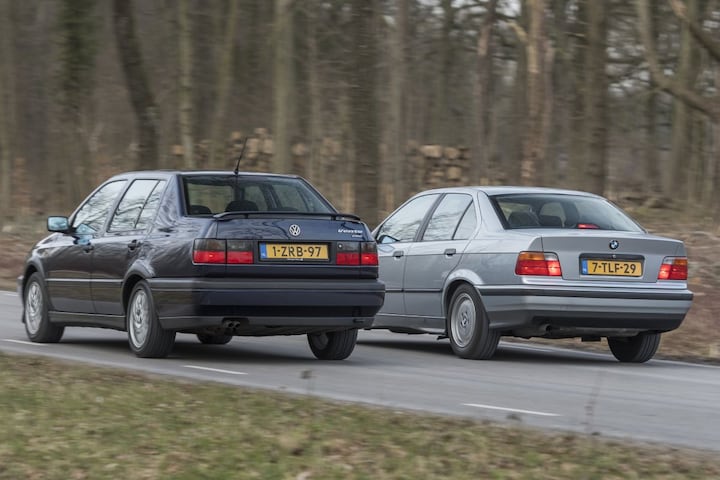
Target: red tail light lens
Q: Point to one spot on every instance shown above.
(239, 252)
(368, 255)
(538, 263)
(348, 253)
(209, 250)
(673, 268)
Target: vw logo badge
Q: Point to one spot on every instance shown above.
(294, 230)
(614, 244)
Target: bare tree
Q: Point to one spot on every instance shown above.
(6, 107)
(185, 59)
(483, 93)
(398, 103)
(141, 96)
(283, 85)
(364, 108)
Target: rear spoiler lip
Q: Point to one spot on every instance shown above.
(247, 214)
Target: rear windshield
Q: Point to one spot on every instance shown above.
(211, 194)
(561, 211)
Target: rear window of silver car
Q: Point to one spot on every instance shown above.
(211, 194)
(548, 210)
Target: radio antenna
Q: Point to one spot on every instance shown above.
(242, 150)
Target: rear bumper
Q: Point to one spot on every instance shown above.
(538, 311)
(252, 305)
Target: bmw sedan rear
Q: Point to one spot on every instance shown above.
(478, 263)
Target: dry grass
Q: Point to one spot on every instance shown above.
(68, 421)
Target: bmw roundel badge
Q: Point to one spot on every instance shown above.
(614, 244)
(294, 230)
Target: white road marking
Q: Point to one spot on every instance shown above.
(10, 294)
(513, 410)
(218, 370)
(23, 342)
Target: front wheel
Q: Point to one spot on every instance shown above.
(468, 327)
(637, 349)
(333, 345)
(146, 337)
(37, 321)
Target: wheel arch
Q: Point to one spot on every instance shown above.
(130, 282)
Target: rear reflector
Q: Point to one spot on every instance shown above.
(215, 251)
(673, 268)
(538, 263)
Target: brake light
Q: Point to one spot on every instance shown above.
(368, 254)
(590, 226)
(239, 251)
(209, 250)
(538, 263)
(348, 253)
(673, 268)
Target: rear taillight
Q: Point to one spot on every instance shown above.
(209, 250)
(368, 253)
(356, 253)
(538, 263)
(214, 251)
(673, 268)
(239, 251)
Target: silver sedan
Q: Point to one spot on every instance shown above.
(477, 263)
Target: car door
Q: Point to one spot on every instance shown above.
(119, 247)
(394, 238)
(434, 256)
(68, 259)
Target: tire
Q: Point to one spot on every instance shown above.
(146, 337)
(637, 349)
(333, 345)
(214, 339)
(468, 327)
(35, 313)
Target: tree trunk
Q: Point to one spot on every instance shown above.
(141, 96)
(314, 170)
(185, 58)
(398, 165)
(224, 77)
(6, 106)
(482, 150)
(283, 86)
(677, 184)
(533, 145)
(364, 109)
(596, 96)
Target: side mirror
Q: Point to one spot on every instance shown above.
(58, 224)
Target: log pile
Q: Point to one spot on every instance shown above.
(439, 166)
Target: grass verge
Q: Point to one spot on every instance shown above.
(69, 421)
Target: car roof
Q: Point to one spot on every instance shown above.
(510, 189)
(172, 173)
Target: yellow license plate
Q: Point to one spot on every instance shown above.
(293, 251)
(622, 268)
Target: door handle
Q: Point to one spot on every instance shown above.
(450, 252)
(398, 253)
(133, 245)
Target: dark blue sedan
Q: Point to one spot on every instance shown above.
(215, 254)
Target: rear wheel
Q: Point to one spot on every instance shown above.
(146, 337)
(37, 321)
(637, 349)
(468, 327)
(333, 345)
(214, 339)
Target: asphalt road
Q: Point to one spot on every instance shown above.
(660, 401)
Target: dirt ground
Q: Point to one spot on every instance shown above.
(697, 339)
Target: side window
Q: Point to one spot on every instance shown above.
(151, 206)
(404, 224)
(128, 211)
(467, 224)
(92, 215)
(446, 217)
